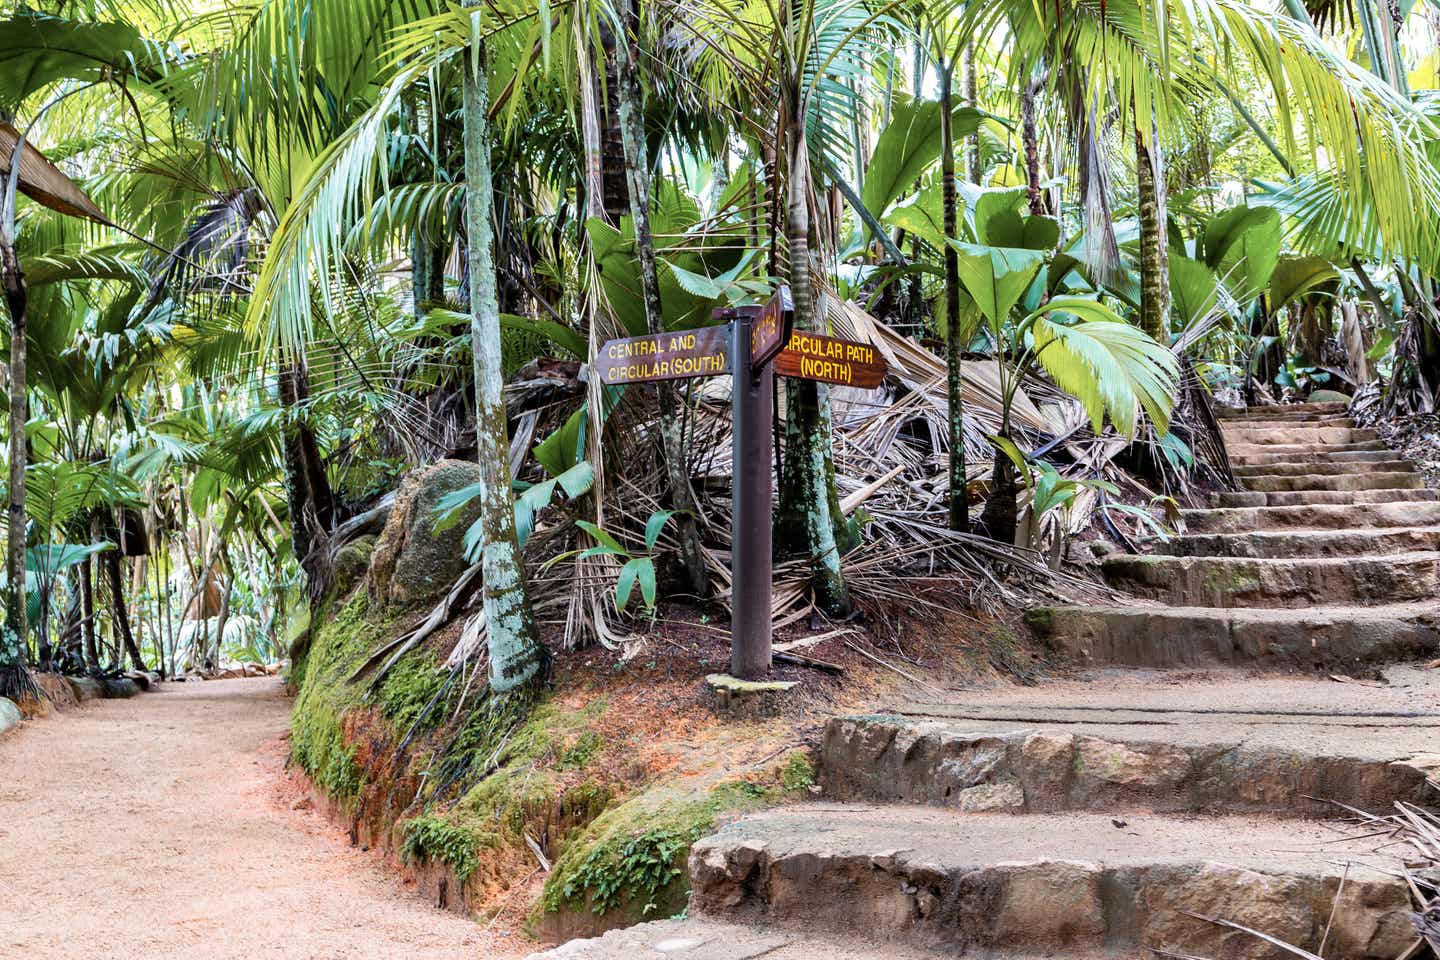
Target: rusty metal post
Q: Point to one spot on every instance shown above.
(750, 571)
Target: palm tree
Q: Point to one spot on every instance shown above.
(637, 174)
(514, 638)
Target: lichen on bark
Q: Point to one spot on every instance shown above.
(514, 638)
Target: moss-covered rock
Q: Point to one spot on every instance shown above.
(352, 562)
(411, 561)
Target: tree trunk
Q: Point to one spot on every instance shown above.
(614, 183)
(970, 94)
(514, 638)
(111, 562)
(998, 519)
(809, 498)
(87, 599)
(1031, 146)
(1154, 244)
(958, 497)
(15, 679)
(307, 489)
(637, 170)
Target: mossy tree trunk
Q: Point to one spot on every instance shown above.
(1030, 145)
(15, 679)
(958, 497)
(637, 178)
(514, 638)
(1154, 244)
(970, 93)
(809, 500)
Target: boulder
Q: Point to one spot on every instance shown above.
(9, 716)
(86, 688)
(120, 688)
(1329, 396)
(411, 562)
(352, 561)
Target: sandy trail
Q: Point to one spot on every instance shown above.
(164, 827)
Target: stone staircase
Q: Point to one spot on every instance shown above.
(1181, 778)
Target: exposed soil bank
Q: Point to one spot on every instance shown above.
(166, 827)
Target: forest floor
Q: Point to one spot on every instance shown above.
(167, 826)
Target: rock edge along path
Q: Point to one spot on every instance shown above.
(164, 826)
(1192, 771)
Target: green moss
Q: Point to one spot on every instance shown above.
(798, 774)
(631, 859)
(409, 688)
(317, 741)
(430, 839)
(582, 751)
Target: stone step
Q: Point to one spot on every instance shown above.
(1265, 457)
(1373, 480)
(988, 882)
(696, 938)
(1288, 411)
(1293, 452)
(1029, 759)
(1298, 498)
(1303, 543)
(1275, 582)
(1316, 638)
(1255, 434)
(1233, 430)
(1323, 516)
(1287, 469)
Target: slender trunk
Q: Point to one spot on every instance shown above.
(311, 501)
(1031, 146)
(614, 183)
(970, 95)
(87, 600)
(1154, 246)
(959, 501)
(224, 617)
(514, 638)
(810, 494)
(637, 170)
(111, 562)
(15, 679)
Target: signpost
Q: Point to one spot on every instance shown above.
(704, 352)
(753, 347)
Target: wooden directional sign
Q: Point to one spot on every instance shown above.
(813, 356)
(771, 329)
(704, 352)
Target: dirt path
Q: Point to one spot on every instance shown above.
(165, 826)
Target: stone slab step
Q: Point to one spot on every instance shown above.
(1311, 517)
(1303, 543)
(1243, 452)
(1288, 411)
(988, 882)
(1395, 465)
(1373, 480)
(1276, 582)
(1299, 498)
(1316, 638)
(1256, 434)
(1260, 456)
(700, 939)
(1043, 759)
(1328, 420)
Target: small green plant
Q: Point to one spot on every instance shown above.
(638, 568)
(432, 839)
(641, 867)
